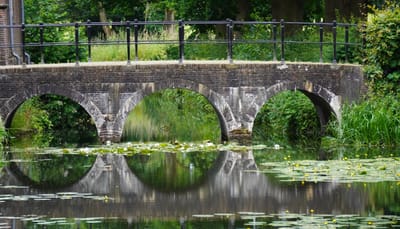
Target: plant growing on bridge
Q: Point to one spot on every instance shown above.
(2, 132)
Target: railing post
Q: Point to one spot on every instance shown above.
(128, 41)
(321, 40)
(181, 41)
(76, 43)
(89, 33)
(346, 43)
(364, 36)
(41, 43)
(334, 42)
(364, 40)
(229, 27)
(282, 41)
(274, 39)
(23, 43)
(136, 34)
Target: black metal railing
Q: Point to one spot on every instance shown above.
(278, 36)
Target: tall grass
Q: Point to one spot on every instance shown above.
(173, 114)
(148, 49)
(373, 122)
(139, 126)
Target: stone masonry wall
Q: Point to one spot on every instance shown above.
(109, 91)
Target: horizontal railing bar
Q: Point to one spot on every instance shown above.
(124, 23)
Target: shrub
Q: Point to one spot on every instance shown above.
(382, 51)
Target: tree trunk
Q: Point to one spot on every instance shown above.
(243, 10)
(169, 15)
(289, 10)
(343, 9)
(103, 18)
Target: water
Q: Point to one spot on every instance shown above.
(183, 188)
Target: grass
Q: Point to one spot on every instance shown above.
(173, 114)
(373, 122)
(118, 51)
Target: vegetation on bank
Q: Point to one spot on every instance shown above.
(376, 119)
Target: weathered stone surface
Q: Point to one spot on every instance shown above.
(109, 91)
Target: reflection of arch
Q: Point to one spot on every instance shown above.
(221, 107)
(182, 176)
(325, 101)
(15, 101)
(58, 178)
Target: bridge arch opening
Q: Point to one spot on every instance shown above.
(294, 115)
(173, 114)
(50, 120)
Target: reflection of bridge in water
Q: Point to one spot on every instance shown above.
(233, 185)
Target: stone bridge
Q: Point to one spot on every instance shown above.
(237, 91)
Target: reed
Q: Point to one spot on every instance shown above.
(373, 122)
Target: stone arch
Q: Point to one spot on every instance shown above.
(325, 101)
(11, 105)
(221, 107)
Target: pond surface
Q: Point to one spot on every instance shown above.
(199, 186)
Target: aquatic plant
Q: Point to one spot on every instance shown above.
(341, 171)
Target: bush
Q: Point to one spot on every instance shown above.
(382, 51)
(287, 117)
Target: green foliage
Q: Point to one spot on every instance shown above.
(30, 119)
(301, 45)
(374, 122)
(53, 121)
(287, 117)
(261, 10)
(3, 133)
(44, 11)
(382, 51)
(146, 51)
(55, 171)
(172, 171)
(70, 122)
(173, 114)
